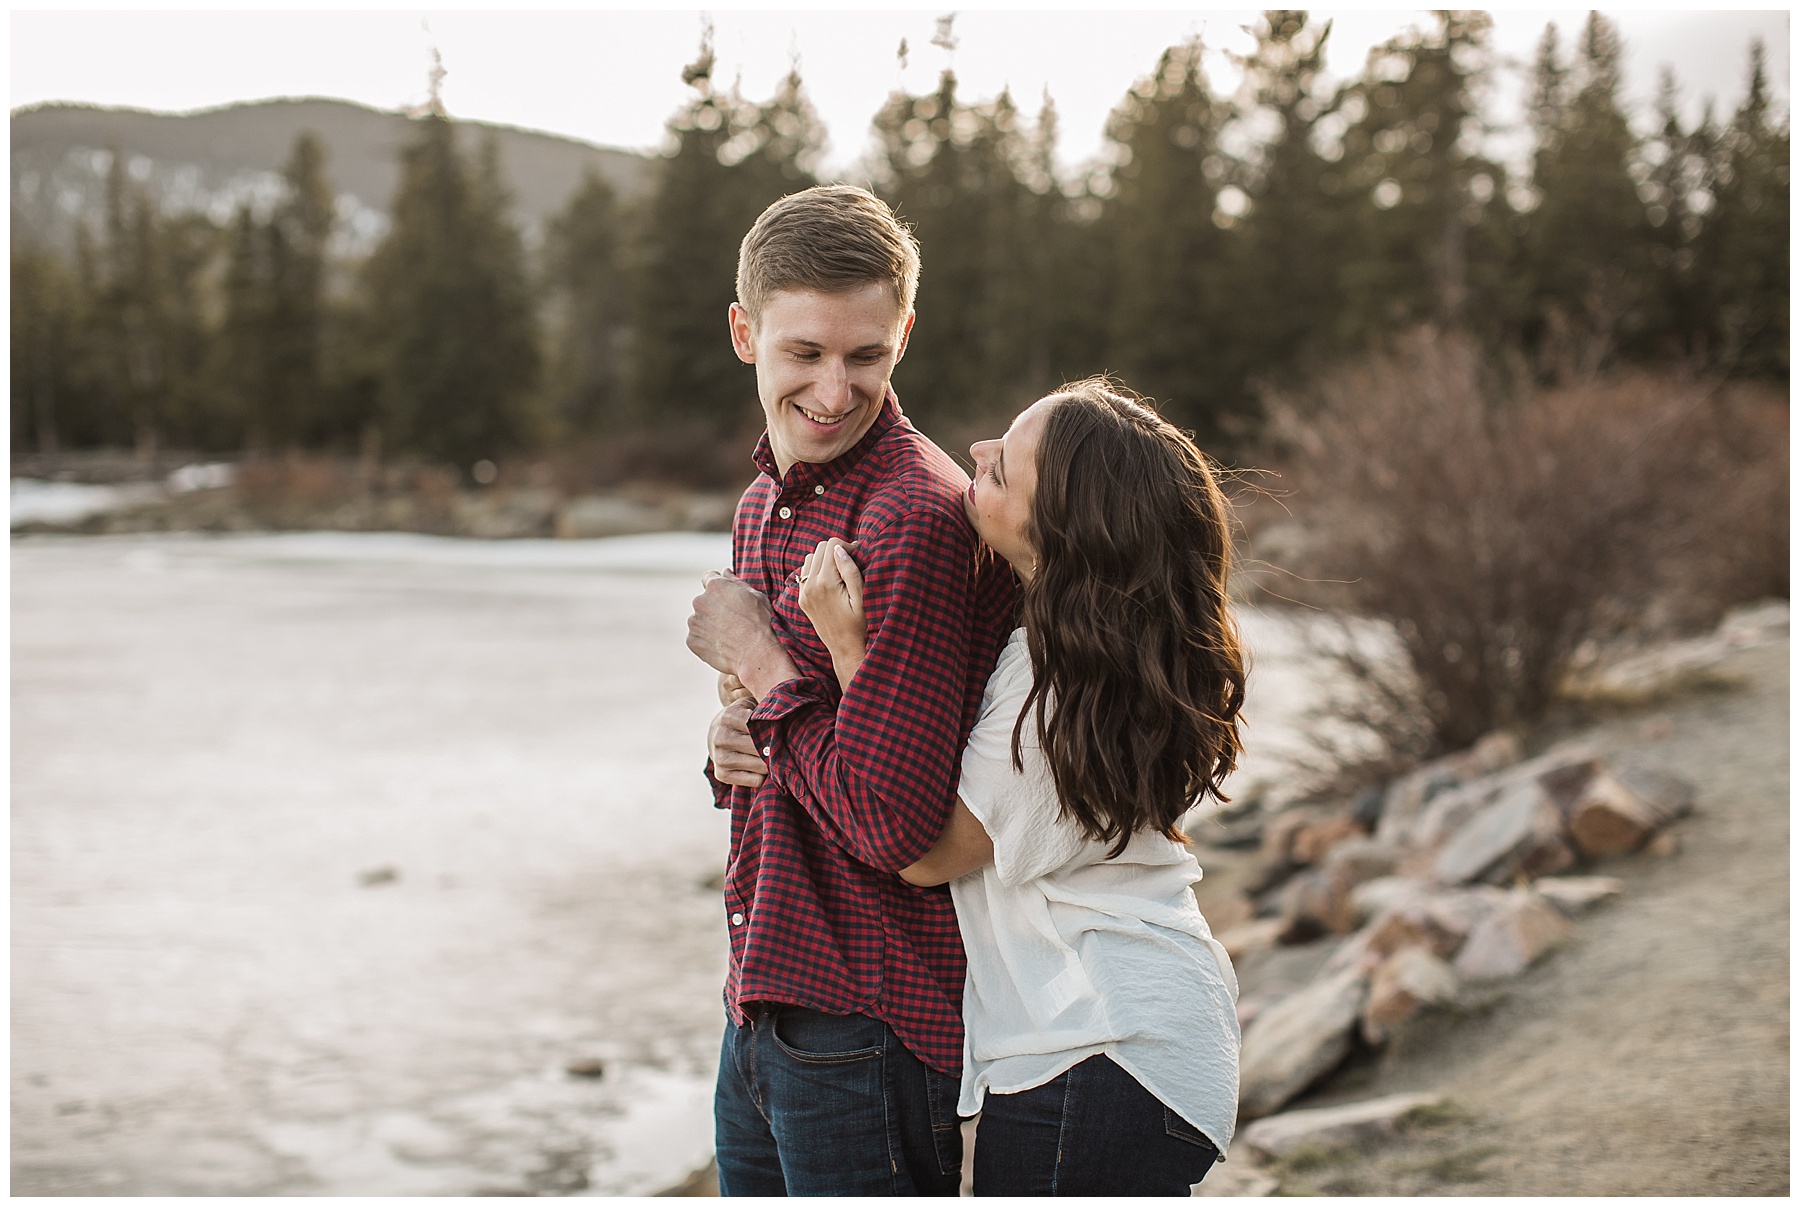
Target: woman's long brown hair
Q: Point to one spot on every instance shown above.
(1139, 672)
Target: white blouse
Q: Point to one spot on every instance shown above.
(1072, 954)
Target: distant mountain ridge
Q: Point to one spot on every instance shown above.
(214, 159)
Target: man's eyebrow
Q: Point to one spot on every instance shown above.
(881, 346)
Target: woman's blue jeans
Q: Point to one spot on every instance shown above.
(1092, 1131)
(829, 1104)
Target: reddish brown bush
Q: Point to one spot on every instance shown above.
(1496, 527)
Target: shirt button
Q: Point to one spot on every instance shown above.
(786, 513)
(737, 919)
(818, 490)
(767, 751)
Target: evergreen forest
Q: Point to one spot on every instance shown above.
(1229, 248)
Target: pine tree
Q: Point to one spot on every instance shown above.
(298, 411)
(1678, 170)
(1295, 234)
(1588, 240)
(148, 337)
(47, 402)
(956, 173)
(727, 161)
(1172, 328)
(584, 273)
(240, 350)
(1427, 231)
(449, 309)
(1745, 246)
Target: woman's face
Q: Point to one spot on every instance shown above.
(999, 499)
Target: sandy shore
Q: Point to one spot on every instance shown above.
(1649, 1054)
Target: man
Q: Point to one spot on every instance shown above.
(843, 1044)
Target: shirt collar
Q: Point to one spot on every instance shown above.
(806, 473)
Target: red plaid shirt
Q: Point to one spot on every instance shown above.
(861, 782)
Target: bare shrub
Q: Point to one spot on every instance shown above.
(1497, 526)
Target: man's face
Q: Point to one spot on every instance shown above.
(822, 366)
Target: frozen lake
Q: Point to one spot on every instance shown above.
(331, 853)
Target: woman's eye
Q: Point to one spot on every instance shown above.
(994, 476)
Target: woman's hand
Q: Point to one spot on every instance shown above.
(831, 595)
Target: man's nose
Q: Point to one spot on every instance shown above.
(834, 387)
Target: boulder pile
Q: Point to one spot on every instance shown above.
(1463, 871)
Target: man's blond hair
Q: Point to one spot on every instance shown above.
(832, 238)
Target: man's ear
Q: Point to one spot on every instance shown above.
(905, 334)
(743, 333)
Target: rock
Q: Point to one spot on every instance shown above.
(1235, 833)
(1511, 938)
(1563, 783)
(1240, 941)
(1408, 795)
(590, 1067)
(1229, 911)
(503, 514)
(1493, 752)
(1297, 1040)
(1405, 982)
(1353, 1124)
(1350, 863)
(1358, 860)
(707, 512)
(376, 877)
(1665, 845)
(1519, 833)
(597, 516)
(1373, 897)
(1313, 842)
(1437, 921)
(1617, 812)
(1365, 811)
(1279, 830)
(1448, 812)
(1460, 911)
(1306, 907)
(1575, 894)
(1236, 1179)
(1754, 623)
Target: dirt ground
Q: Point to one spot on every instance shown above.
(1649, 1054)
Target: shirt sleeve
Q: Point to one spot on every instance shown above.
(876, 768)
(1018, 808)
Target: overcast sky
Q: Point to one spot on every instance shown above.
(613, 77)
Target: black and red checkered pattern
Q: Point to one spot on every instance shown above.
(861, 783)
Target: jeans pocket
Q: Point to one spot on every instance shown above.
(814, 1037)
(1180, 1129)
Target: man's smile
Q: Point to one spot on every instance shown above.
(822, 419)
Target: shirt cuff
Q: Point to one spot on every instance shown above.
(721, 792)
(785, 699)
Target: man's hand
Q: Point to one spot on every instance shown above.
(735, 758)
(729, 631)
(732, 689)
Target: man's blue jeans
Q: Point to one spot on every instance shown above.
(828, 1104)
(1092, 1131)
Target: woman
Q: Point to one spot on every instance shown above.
(1102, 1031)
